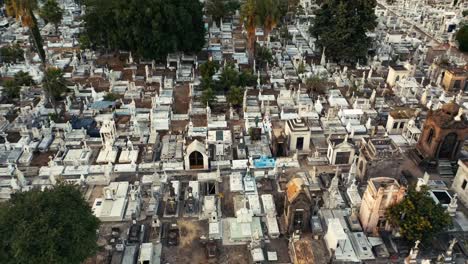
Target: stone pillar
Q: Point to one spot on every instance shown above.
(413, 255)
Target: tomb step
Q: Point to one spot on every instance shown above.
(445, 168)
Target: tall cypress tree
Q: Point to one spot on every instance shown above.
(149, 28)
(462, 38)
(340, 27)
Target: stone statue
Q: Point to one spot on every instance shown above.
(454, 200)
(171, 201)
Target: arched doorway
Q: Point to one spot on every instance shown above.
(448, 146)
(196, 160)
(280, 151)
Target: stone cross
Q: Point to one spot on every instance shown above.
(449, 251)
(413, 253)
(416, 244)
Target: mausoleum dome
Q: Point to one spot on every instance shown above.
(451, 108)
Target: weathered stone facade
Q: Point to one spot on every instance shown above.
(444, 132)
(297, 206)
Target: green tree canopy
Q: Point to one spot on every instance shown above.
(229, 77)
(51, 13)
(315, 84)
(341, 26)
(23, 78)
(54, 85)
(84, 41)
(418, 217)
(246, 78)
(13, 87)
(263, 56)
(462, 38)
(11, 54)
(51, 226)
(208, 97)
(12, 90)
(218, 9)
(231, 82)
(148, 28)
(208, 69)
(111, 97)
(235, 96)
(54, 82)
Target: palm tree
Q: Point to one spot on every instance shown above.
(235, 96)
(23, 10)
(52, 13)
(23, 78)
(250, 19)
(263, 56)
(269, 13)
(54, 85)
(12, 90)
